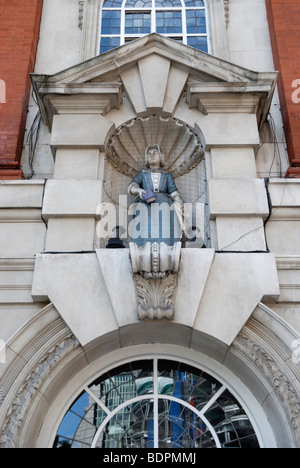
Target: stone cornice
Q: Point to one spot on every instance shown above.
(80, 98)
(244, 97)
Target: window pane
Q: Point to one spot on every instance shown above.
(138, 23)
(178, 39)
(111, 22)
(167, 3)
(192, 3)
(112, 4)
(108, 43)
(168, 22)
(231, 423)
(138, 4)
(195, 22)
(199, 42)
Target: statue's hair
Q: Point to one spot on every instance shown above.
(162, 156)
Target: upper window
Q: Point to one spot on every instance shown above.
(181, 20)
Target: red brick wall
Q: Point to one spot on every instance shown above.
(19, 31)
(284, 25)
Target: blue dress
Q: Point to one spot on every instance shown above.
(157, 221)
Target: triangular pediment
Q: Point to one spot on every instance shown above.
(202, 66)
(148, 70)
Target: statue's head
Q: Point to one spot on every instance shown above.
(154, 152)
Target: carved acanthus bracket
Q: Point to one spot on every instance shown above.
(156, 297)
(155, 267)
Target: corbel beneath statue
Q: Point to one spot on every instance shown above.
(155, 268)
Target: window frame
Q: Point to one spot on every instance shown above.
(153, 10)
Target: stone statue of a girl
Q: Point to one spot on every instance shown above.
(158, 207)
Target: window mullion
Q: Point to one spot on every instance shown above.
(184, 28)
(122, 38)
(153, 17)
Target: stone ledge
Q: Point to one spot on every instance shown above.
(95, 292)
(21, 193)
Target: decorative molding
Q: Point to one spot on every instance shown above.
(226, 12)
(30, 387)
(80, 14)
(155, 261)
(17, 264)
(272, 366)
(288, 262)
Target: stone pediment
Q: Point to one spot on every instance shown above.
(154, 72)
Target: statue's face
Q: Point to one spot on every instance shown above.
(154, 157)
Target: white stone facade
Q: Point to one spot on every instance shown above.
(69, 306)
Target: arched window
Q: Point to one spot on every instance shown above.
(156, 403)
(181, 20)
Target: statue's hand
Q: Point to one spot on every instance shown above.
(141, 191)
(136, 190)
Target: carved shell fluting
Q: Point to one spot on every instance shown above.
(183, 149)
